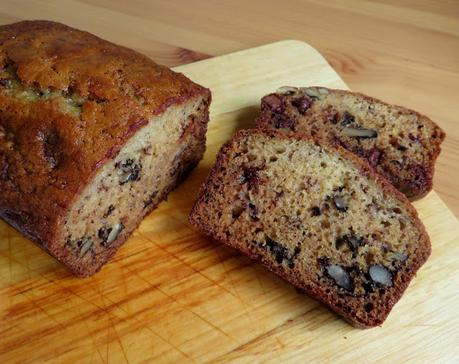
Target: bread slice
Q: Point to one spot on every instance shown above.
(92, 137)
(399, 143)
(319, 217)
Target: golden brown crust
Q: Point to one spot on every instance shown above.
(222, 159)
(48, 155)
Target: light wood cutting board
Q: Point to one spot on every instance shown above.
(170, 295)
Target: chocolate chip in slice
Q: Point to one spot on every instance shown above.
(368, 307)
(302, 104)
(109, 211)
(250, 176)
(351, 240)
(315, 211)
(374, 156)
(128, 171)
(273, 103)
(368, 287)
(253, 211)
(284, 121)
(278, 250)
(348, 119)
(354, 242)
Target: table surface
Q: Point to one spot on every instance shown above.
(404, 52)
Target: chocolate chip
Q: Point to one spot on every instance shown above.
(380, 275)
(352, 241)
(253, 211)
(273, 103)
(128, 171)
(109, 211)
(333, 118)
(341, 277)
(339, 203)
(250, 176)
(348, 119)
(315, 211)
(237, 211)
(415, 138)
(368, 287)
(297, 251)
(322, 261)
(283, 121)
(374, 156)
(278, 250)
(368, 307)
(302, 104)
(419, 175)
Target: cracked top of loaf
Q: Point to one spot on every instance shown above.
(69, 101)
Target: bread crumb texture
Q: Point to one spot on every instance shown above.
(319, 217)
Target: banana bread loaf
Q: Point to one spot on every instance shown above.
(319, 217)
(400, 144)
(92, 137)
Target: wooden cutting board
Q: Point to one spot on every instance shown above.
(170, 295)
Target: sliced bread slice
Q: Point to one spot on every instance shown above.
(316, 215)
(399, 143)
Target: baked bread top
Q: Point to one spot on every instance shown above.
(69, 101)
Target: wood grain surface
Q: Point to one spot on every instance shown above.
(402, 51)
(172, 296)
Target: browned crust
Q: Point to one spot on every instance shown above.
(83, 271)
(424, 243)
(122, 90)
(411, 189)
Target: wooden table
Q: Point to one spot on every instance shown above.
(406, 52)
